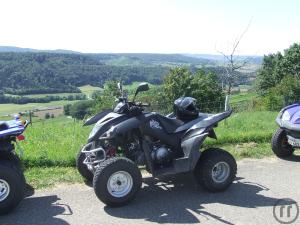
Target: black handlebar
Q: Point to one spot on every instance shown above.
(142, 104)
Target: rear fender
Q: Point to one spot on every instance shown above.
(208, 123)
(191, 147)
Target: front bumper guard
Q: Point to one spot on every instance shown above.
(90, 150)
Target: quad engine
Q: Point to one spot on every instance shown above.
(161, 155)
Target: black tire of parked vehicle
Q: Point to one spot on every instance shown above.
(82, 168)
(106, 170)
(16, 181)
(206, 165)
(280, 145)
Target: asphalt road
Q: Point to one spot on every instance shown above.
(173, 200)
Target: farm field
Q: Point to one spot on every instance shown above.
(15, 108)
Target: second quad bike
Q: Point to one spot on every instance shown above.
(127, 137)
(287, 137)
(12, 181)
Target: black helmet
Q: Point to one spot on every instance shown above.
(185, 108)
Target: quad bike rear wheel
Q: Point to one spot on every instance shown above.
(117, 181)
(215, 170)
(280, 145)
(12, 186)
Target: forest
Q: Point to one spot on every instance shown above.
(23, 73)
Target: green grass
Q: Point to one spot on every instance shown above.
(48, 177)
(53, 142)
(248, 150)
(257, 126)
(244, 96)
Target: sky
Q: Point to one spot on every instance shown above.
(151, 26)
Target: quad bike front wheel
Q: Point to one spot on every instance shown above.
(117, 181)
(82, 168)
(215, 170)
(280, 145)
(12, 186)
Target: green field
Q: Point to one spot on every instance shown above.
(243, 96)
(88, 89)
(15, 108)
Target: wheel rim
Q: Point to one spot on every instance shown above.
(119, 184)
(4, 190)
(220, 172)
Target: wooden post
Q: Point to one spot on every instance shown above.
(226, 107)
(30, 117)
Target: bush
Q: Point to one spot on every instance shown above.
(47, 116)
(80, 109)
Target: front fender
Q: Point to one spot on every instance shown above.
(105, 123)
(97, 117)
(126, 126)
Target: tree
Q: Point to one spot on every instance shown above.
(277, 66)
(270, 74)
(80, 109)
(278, 79)
(202, 86)
(106, 100)
(232, 64)
(177, 83)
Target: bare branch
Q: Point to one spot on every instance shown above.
(232, 63)
(240, 38)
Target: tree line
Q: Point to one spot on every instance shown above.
(24, 100)
(278, 81)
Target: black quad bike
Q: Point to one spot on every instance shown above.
(12, 181)
(163, 144)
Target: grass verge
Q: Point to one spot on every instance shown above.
(39, 177)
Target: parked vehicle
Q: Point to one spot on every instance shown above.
(128, 137)
(287, 137)
(12, 181)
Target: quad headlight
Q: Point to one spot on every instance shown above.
(286, 116)
(94, 131)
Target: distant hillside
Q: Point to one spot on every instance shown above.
(249, 58)
(34, 73)
(31, 71)
(17, 49)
